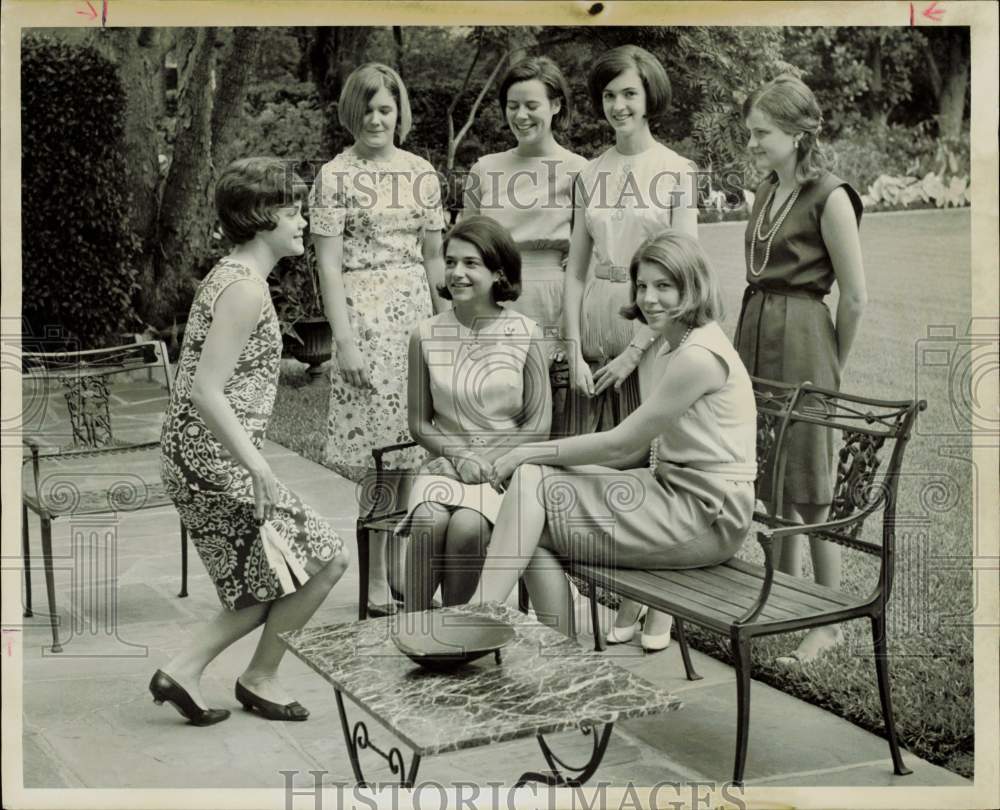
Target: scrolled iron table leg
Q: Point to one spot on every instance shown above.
(357, 740)
(555, 776)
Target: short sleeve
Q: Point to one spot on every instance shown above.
(328, 202)
(427, 190)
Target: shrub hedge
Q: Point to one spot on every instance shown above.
(78, 269)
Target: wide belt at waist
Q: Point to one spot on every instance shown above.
(787, 292)
(731, 471)
(614, 272)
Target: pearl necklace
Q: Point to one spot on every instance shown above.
(654, 445)
(758, 232)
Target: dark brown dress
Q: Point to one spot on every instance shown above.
(785, 330)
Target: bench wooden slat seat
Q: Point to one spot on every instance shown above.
(717, 597)
(744, 600)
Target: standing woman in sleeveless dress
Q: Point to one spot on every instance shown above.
(376, 221)
(529, 190)
(802, 236)
(630, 192)
(272, 558)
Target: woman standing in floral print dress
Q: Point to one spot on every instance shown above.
(376, 219)
(273, 559)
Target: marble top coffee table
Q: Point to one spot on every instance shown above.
(543, 683)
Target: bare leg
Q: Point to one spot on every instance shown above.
(516, 535)
(287, 613)
(212, 638)
(550, 591)
(826, 559)
(378, 578)
(425, 547)
(465, 549)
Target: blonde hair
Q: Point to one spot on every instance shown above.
(358, 90)
(791, 105)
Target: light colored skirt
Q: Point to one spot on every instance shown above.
(681, 518)
(441, 489)
(542, 280)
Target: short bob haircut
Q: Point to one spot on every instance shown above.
(792, 107)
(249, 190)
(613, 63)
(548, 73)
(684, 261)
(358, 90)
(498, 251)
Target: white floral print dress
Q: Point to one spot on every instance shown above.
(212, 492)
(382, 210)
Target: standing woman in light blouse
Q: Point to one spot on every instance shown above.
(634, 189)
(376, 221)
(529, 189)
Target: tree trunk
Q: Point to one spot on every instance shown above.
(139, 54)
(235, 73)
(397, 39)
(185, 218)
(951, 103)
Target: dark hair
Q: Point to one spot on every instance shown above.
(613, 63)
(498, 252)
(248, 192)
(684, 260)
(358, 90)
(549, 74)
(792, 106)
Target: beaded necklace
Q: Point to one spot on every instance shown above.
(654, 445)
(768, 238)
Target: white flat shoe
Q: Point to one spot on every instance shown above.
(657, 642)
(623, 635)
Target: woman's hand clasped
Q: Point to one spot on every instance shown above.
(616, 371)
(503, 469)
(472, 469)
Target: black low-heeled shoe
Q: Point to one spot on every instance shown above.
(268, 708)
(166, 690)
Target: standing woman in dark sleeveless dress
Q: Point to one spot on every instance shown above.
(802, 236)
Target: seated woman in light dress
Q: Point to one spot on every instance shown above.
(671, 486)
(478, 386)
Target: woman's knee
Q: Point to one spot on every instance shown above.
(336, 568)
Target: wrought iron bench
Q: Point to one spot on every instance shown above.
(83, 456)
(743, 600)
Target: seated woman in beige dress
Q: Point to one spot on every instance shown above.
(478, 386)
(594, 499)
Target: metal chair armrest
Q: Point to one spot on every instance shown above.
(767, 544)
(817, 528)
(378, 452)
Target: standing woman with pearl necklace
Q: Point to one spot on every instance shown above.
(802, 236)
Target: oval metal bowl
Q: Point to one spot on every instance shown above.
(443, 641)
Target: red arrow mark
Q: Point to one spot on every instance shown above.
(92, 12)
(932, 12)
(104, 13)
(911, 15)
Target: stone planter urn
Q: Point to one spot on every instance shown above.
(316, 346)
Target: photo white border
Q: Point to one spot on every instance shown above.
(981, 16)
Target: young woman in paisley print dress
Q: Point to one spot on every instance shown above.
(376, 220)
(272, 559)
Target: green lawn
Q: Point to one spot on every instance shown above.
(918, 271)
